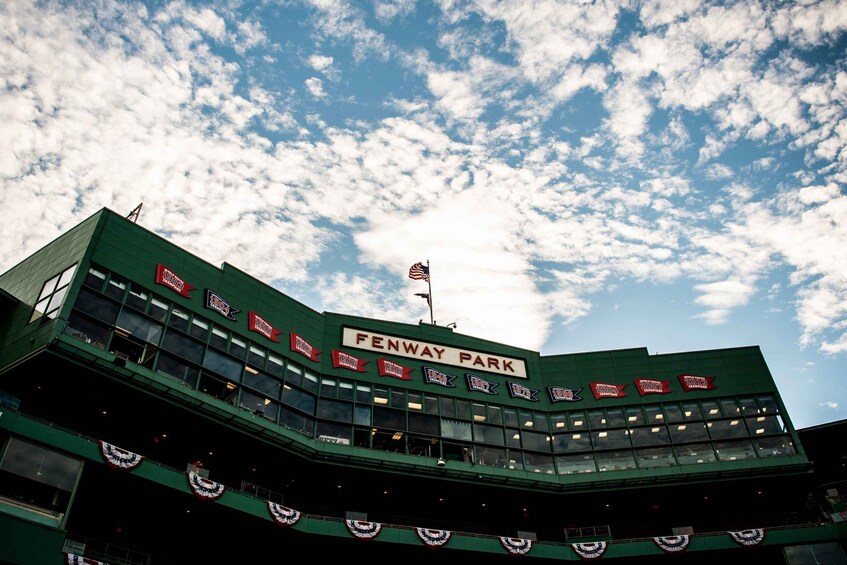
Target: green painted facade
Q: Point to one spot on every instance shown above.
(123, 251)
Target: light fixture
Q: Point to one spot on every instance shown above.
(441, 462)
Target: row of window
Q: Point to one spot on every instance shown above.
(155, 333)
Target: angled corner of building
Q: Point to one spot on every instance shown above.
(155, 408)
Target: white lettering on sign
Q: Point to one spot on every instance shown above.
(458, 357)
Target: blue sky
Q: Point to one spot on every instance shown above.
(580, 175)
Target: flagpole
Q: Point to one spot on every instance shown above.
(429, 284)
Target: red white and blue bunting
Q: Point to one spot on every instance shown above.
(590, 550)
(516, 546)
(118, 458)
(363, 530)
(673, 544)
(204, 488)
(78, 560)
(434, 538)
(749, 537)
(283, 515)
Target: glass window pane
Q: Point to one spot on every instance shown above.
(578, 420)
(575, 464)
(610, 439)
(774, 446)
(180, 319)
(510, 418)
(421, 423)
(66, 277)
(597, 419)
(691, 411)
(654, 414)
(389, 418)
(448, 407)
(48, 287)
(335, 410)
(765, 425)
(328, 388)
(40, 464)
(158, 309)
(139, 327)
(695, 453)
(655, 457)
(345, 390)
(730, 407)
(237, 347)
(767, 404)
(650, 435)
(276, 366)
(456, 429)
(95, 278)
(263, 383)
(294, 375)
(137, 298)
(310, 381)
(115, 288)
(430, 404)
(296, 421)
(177, 369)
(615, 460)
(363, 394)
(559, 422)
(690, 431)
(97, 306)
(615, 417)
(488, 434)
(711, 409)
(256, 356)
(183, 346)
(56, 302)
(492, 456)
(539, 422)
(334, 433)
(572, 442)
(362, 415)
(526, 420)
(634, 416)
(539, 463)
(415, 401)
(734, 450)
(536, 441)
(748, 406)
(381, 396)
(725, 429)
(513, 438)
(199, 328)
(479, 413)
(223, 365)
(219, 338)
(299, 399)
(463, 409)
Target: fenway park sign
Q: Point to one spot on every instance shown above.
(431, 352)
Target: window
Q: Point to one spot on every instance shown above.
(535, 441)
(177, 369)
(635, 416)
(575, 464)
(538, 463)
(455, 429)
(389, 418)
(493, 456)
(219, 338)
(335, 410)
(655, 457)
(41, 479)
(262, 383)
(139, 327)
(734, 450)
(180, 319)
(774, 446)
(276, 366)
(52, 295)
(137, 297)
(398, 398)
(615, 460)
(488, 434)
(424, 424)
(569, 443)
(345, 390)
(223, 365)
(688, 431)
(765, 425)
(115, 288)
(95, 279)
(649, 435)
(299, 399)
(297, 422)
(727, 429)
(363, 394)
(610, 439)
(256, 356)
(695, 454)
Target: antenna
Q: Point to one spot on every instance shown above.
(133, 216)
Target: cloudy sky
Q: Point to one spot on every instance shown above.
(581, 176)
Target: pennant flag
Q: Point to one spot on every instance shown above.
(480, 384)
(303, 347)
(562, 394)
(216, 302)
(517, 390)
(391, 369)
(604, 390)
(433, 538)
(258, 324)
(436, 377)
(341, 360)
(118, 458)
(423, 295)
(651, 386)
(419, 271)
(168, 278)
(692, 382)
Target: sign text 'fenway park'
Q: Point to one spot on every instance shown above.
(456, 356)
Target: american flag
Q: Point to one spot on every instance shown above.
(419, 271)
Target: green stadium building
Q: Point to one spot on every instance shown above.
(158, 409)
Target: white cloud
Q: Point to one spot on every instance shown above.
(320, 62)
(315, 86)
(721, 298)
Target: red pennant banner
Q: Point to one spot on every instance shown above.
(605, 390)
(391, 369)
(341, 360)
(652, 386)
(693, 382)
(258, 324)
(168, 278)
(302, 347)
